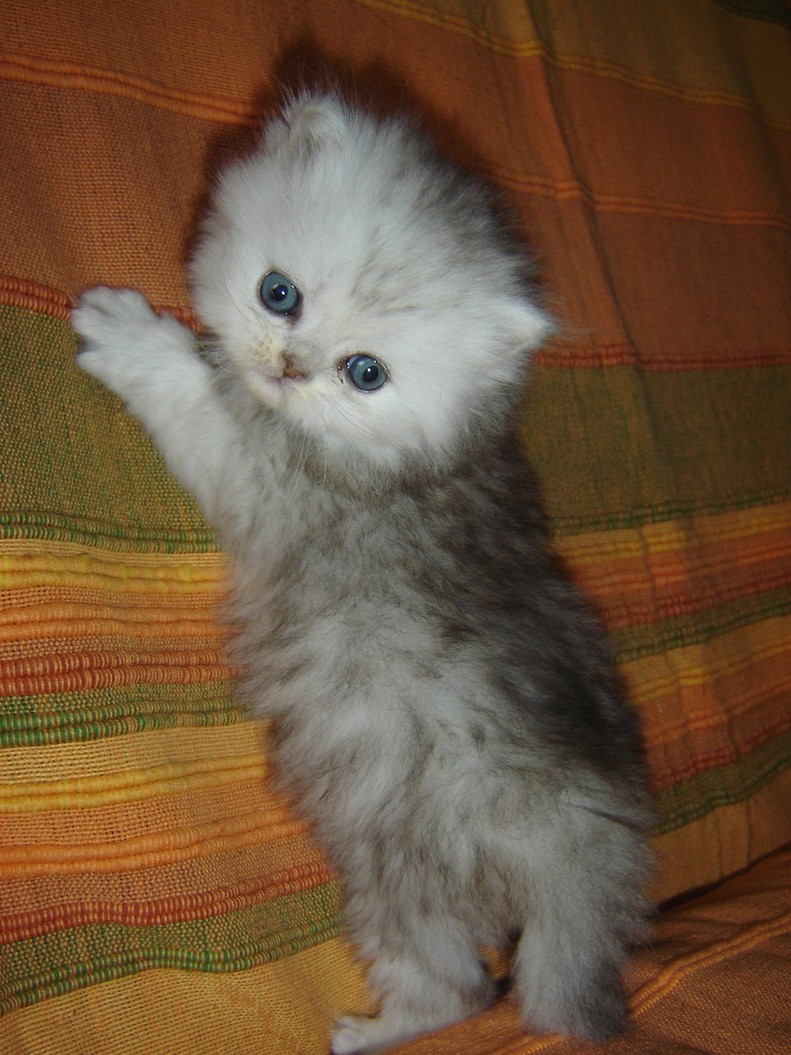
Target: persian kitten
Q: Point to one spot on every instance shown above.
(446, 712)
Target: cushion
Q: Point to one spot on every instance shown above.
(715, 979)
(147, 870)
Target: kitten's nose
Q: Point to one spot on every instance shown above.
(289, 370)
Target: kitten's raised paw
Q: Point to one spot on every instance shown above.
(122, 337)
(102, 314)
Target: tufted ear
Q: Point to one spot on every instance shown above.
(309, 121)
(528, 324)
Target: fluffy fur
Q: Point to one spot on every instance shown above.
(446, 711)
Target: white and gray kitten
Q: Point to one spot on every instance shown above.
(446, 712)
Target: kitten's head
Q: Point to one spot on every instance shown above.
(362, 287)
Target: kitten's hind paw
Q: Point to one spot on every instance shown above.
(347, 1038)
(358, 1035)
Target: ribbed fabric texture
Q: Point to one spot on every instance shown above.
(155, 895)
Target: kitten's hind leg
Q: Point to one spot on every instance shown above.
(421, 989)
(585, 907)
(564, 991)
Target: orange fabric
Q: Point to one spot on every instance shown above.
(715, 980)
(147, 871)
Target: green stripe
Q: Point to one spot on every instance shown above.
(75, 467)
(763, 10)
(720, 786)
(36, 969)
(616, 448)
(612, 447)
(125, 538)
(653, 639)
(73, 717)
(626, 519)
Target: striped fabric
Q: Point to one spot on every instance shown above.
(155, 895)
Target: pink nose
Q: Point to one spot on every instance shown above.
(289, 370)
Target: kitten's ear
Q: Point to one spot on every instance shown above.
(309, 121)
(529, 326)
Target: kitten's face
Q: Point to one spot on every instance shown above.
(358, 287)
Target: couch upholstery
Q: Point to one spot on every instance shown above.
(155, 896)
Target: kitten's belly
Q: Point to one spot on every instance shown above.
(331, 645)
(367, 720)
(374, 708)
(381, 738)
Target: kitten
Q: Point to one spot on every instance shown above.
(446, 712)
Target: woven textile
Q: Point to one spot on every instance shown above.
(148, 875)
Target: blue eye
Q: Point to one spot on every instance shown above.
(365, 372)
(279, 294)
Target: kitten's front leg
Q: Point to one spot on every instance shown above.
(150, 362)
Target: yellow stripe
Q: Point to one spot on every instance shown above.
(130, 785)
(676, 536)
(742, 834)
(24, 564)
(58, 621)
(152, 850)
(248, 863)
(63, 762)
(651, 678)
(138, 630)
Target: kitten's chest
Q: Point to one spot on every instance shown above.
(329, 574)
(349, 594)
